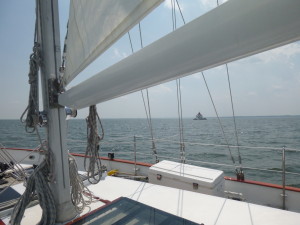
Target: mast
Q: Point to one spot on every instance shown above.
(56, 128)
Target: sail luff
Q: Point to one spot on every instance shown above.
(236, 29)
(89, 36)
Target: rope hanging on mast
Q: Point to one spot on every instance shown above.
(37, 184)
(32, 118)
(93, 167)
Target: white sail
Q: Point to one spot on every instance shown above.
(236, 29)
(89, 36)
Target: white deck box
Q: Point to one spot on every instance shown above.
(187, 177)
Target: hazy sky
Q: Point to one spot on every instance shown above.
(264, 84)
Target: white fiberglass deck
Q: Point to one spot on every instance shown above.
(196, 207)
(199, 208)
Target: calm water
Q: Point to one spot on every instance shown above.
(274, 132)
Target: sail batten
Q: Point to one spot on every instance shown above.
(95, 25)
(236, 29)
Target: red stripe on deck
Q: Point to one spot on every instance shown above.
(2, 223)
(263, 184)
(118, 160)
(22, 149)
(103, 158)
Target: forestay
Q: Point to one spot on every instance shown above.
(89, 36)
(236, 29)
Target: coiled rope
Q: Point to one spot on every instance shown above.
(37, 183)
(78, 190)
(33, 104)
(93, 167)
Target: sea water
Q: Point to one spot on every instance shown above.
(204, 143)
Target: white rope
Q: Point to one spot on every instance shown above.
(33, 105)
(92, 150)
(78, 189)
(37, 183)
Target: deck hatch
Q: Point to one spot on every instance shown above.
(128, 211)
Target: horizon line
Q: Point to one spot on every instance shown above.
(188, 117)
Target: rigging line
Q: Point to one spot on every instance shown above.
(141, 39)
(140, 31)
(147, 115)
(34, 63)
(179, 102)
(221, 126)
(149, 121)
(141, 90)
(233, 114)
(36, 23)
(63, 61)
(174, 15)
(180, 12)
(33, 107)
(94, 167)
(130, 42)
(151, 129)
(180, 121)
(149, 110)
(146, 111)
(49, 157)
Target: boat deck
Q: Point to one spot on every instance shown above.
(200, 208)
(196, 207)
